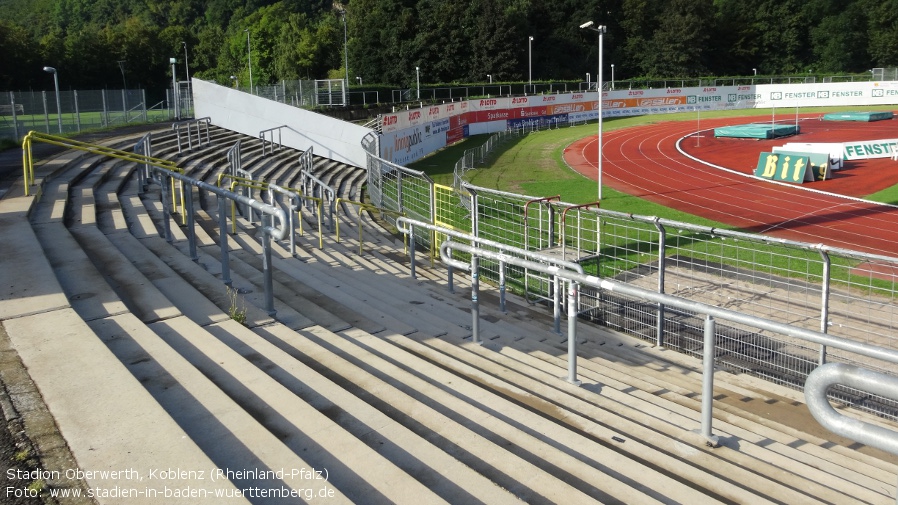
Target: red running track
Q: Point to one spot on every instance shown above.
(644, 161)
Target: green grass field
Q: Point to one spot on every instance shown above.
(533, 165)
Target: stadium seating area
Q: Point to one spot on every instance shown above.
(365, 373)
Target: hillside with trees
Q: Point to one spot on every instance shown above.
(109, 43)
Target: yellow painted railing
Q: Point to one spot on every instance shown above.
(263, 186)
(34, 136)
(369, 208)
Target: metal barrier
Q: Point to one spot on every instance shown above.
(263, 137)
(366, 207)
(188, 124)
(575, 279)
(406, 226)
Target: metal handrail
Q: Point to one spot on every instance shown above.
(563, 238)
(575, 278)
(366, 207)
(264, 138)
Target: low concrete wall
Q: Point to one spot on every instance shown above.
(249, 114)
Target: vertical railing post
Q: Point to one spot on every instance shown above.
(708, 381)
(662, 255)
(502, 287)
(191, 223)
(556, 304)
(475, 307)
(411, 253)
(266, 265)
(572, 333)
(163, 194)
(223, 239)
(824, 299)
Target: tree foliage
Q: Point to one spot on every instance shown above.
(105, 43)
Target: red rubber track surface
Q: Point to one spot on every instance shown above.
(644, 161)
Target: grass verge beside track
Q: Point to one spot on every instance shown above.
(533, 165)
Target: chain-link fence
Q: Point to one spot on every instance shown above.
(840, 292)
(78, 110)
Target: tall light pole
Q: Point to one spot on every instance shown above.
(249, 59)
(187, 73)
(174, 87)
(490, 77)
(418, 80)
(588, 80)
(601, 31)
(56, 86)
(612, 76)
(530, 62)
(345, 48)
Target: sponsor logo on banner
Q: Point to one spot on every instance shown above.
(454, 135)
(489, 102)
(567, 108)
(518, 100)
(674, 91)
(577, 96)
(636, 92)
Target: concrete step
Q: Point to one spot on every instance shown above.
(486, 434)
(637, 420)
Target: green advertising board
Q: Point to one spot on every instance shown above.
(786, 167)
(819, 163)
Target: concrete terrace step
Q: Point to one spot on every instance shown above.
(479, 433)
(635, 421)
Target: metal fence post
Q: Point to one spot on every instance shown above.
(191, 231)
(662, 255)
(572, 333)
(266, 265)
(46, 115)
(15, 121)
(223, 239)
(475, 308)
(708, 381)
(824, 300)
(105, 115)
(77, 112)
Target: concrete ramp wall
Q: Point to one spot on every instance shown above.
(248, 114)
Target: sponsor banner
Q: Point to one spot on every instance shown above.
(461, 119)
(786, 167)
(488, 115)
(488, 127)
(456, 134)
(869, 149)
(411, 144)
(437, 127)
(819, 164)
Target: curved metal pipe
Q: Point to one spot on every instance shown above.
(534, 256)
(851, 376)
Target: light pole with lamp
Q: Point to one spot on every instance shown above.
(345, 57)
(530, 63)
(588, 80)
(490, 77)
(56, 86)
(249, 60)
(174, 87)
(187, 72)
(236, 82)
(612, 76)
(418, 80)
(601, 31)
(359, 79)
